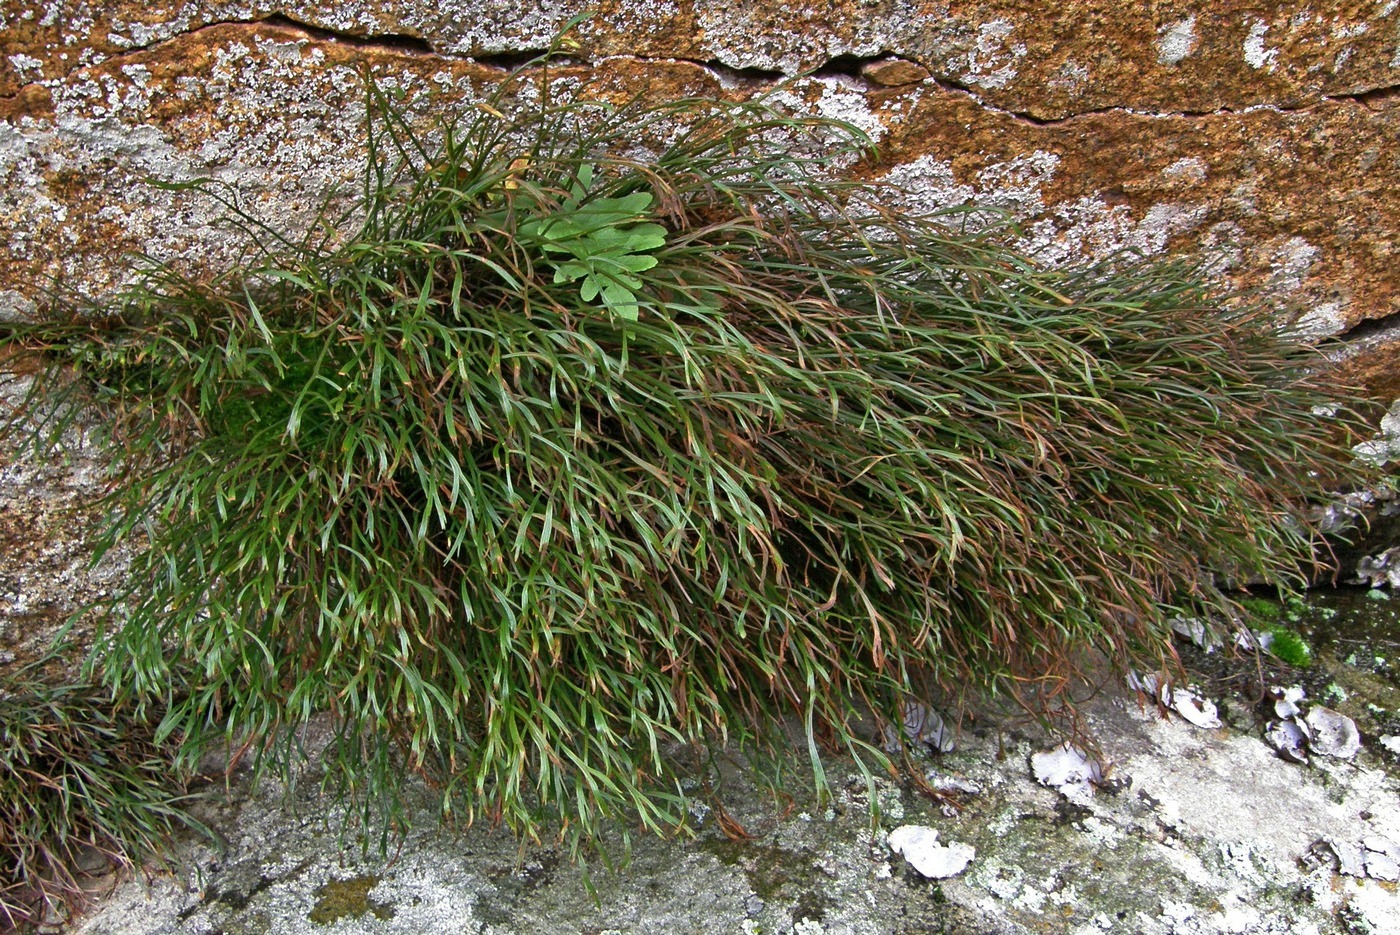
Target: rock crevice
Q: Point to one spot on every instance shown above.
(1290, 185)
(842, 65)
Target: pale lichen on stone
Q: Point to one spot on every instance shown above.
(992, 60)
(1258, 137)
(1256, 53)
(1176, 40)
(1225, 130)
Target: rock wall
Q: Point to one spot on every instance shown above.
(1259, 134)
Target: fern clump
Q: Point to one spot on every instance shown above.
(81, 784)
(574, 453)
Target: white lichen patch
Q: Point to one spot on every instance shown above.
(507, 26)
(1065, 232)
(792, 39)
(889, 801)
(927, 184)
(125, 33)
(1322, 320)
(270, 119)
(1176, 40)
(1349, 30)
(837, 97)
(1103, 833)
(1012, 188)
(453, 26)
(992, 60)
(1089, 228)
(1188, 169)
(1256, 53)
(1016, 186)
(27, 67)
(1291, 262)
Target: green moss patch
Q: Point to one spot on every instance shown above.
(348, 899)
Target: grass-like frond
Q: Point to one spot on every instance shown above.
(614, 430)
(82, 785)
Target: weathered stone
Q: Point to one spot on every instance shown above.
(1371, 361)
(892, 72)
(1048, 61)
(1283, 176)
(1212, 831)
(1300, 201)
(46, 573)
(264, 110)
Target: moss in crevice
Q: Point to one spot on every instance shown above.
(344, 899)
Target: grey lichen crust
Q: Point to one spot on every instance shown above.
(1260, 137)
(1197, 832)
(1151, 131)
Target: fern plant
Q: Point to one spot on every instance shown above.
(564, 460)
(607, 242)
(81, 783)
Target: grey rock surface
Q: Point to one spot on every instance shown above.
(1207, 832)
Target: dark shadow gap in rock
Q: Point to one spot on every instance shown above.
(395, 42)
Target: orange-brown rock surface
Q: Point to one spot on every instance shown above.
(1260, 135)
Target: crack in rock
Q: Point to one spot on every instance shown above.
(844, 65)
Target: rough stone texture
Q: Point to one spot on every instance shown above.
(1045, 61)
(46, 571)
(893, 72)
(1262, 136)
(1370, 357)
(1259, 135)
(1208, 832)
